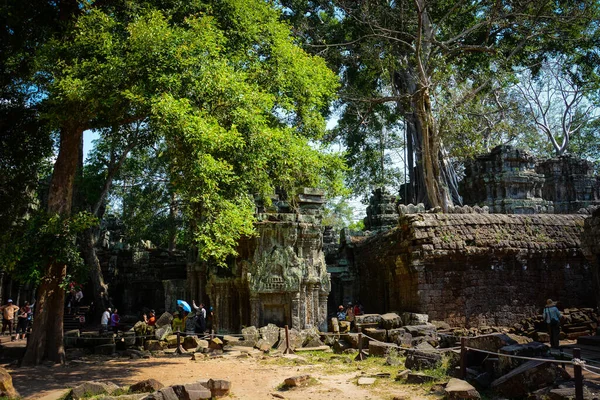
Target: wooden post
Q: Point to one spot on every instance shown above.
(178, 350)
(212, 334)
(361, 354)
(287, 350)
(578, 375)
(463, 358)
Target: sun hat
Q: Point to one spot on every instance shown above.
(549, 302)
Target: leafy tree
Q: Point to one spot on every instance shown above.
(411, 54)
(236, 101)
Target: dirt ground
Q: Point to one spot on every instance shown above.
(250, 377)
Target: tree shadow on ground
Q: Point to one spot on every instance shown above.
(29, 381)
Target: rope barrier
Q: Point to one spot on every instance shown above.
(591, 372)
(572, 362)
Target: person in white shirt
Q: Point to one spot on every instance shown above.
(104, 320)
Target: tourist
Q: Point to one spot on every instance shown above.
(104, 320)
(350, 313)
(150, 319)
(341, 314)
(190, 324)
(552, 317)
(23, 320)
(8, 315)
(114, 321)
(358, 310)
(177, 323)
(200, 317)
(77, 300)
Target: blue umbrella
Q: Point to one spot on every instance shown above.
(185, 305)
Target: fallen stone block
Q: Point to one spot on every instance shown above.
(164, 320)
(171, 341)
(527, 378)
(344, 326)
(92, 388)
(418, 378)
(192, 391)
(167, 393)
(352, 338)
(457, 389)
(251, 336)
(376, 334)
(296, 381)
(367, 319)
(492, 342)
(146, 386)
(219, 387)
(365, 381)
(419, 360)
(379, 349)
(420, 330)
(190, 342)
(163, 332)
(409, 318)
(390, 321)
(270, 334)
(155, 345)
(400, 337)
(532, 349)
(312, 338)
(339, 346)
(295, 338)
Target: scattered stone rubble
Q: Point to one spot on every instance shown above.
(576, 322)
(152, 389)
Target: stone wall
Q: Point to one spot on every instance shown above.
(475, 269)
(590, 243)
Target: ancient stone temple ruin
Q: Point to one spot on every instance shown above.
(491, 263)
(512, 181)
(569, 183)
(279, 276)
(506, 181)
(381, 212)
(474, 268)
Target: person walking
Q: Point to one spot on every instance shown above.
(8, 315)
(552, 318)
(23, 320)
(104, 320)
(114, 321)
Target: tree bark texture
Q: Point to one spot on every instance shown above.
(46, 340)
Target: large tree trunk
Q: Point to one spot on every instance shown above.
(100, 288)
(46, 340)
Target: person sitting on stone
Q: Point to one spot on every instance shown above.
(150, 319)
(341, 314)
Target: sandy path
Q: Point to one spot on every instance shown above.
(250, 378)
